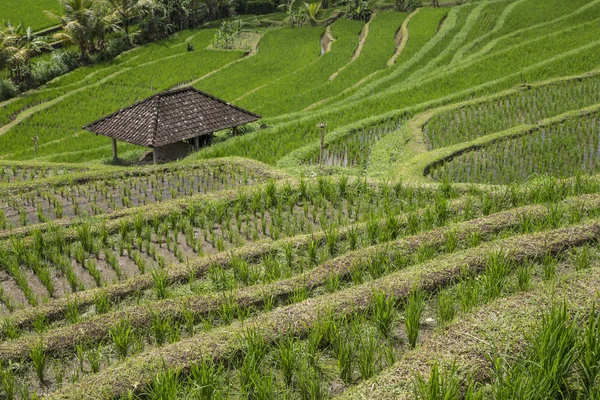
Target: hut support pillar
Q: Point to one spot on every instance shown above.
(197, 142)
(235, 131)
(114, 148)
(154, 156)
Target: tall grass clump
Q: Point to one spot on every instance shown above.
(412, 315)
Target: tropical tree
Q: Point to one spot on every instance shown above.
(408, 5)
(84, 24)
(289, 10)
(3, 49)
(311, 10)
(359, 9)
(154, 20)
(124, 11)
(18, 46)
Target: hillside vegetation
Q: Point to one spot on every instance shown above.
(415, 216)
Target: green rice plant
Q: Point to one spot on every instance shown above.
(589, 354)
(353, 238)
(333, 282)
(343, 350)
(73, 313)
(205, 378)
(493, 279)
(451, 241)
(122, 336)
(102, 303)
(378, 264)
(383, 312)
(272, 268)
(40, 323)
(287, 357)
(582, 257)
(356, 274)
(85, 237)
(254, 344)
(165, 385)
(300, 294)
(332, 239)
(445, 307)
(310, 385)
(524, 276)
(39, 359)
(367, 354)
(93, 357)
(160, 282)
(312, 249)
(8, 381)
(228, 309)
(549, 264)
(439, 386)
(413, 311)
(543, 372)
(58, 370)
(241, 271)
(160, 327)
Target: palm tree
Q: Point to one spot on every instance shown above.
(3, 49)
(124, 11)
(81, 22)
(19, 46)
(153, 19)
(311, 10)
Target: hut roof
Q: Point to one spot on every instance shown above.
(171, 117)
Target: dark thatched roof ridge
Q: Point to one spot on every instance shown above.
(171, 117)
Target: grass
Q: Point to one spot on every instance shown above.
(423, 259)
(29, 13)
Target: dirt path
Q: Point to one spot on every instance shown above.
(401, 39)
(327, 40)
(361, 43)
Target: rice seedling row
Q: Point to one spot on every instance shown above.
(455, 357)
(115, 193)
(300, 318)
(207, 229)
(354, 149)
(352, 349)
(10, 173)
(525, 107)
(354, 268)
(544, 191)
(541, 152)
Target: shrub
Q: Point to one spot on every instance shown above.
(7, 89)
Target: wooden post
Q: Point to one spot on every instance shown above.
(235, 131)
(114, 146)
(154, 156)
(197, 142)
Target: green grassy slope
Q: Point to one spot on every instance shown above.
(29, 13)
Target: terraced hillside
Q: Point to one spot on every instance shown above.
(440, 240)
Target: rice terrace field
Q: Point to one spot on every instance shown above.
(358, 199)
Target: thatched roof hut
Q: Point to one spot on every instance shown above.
(171, 117)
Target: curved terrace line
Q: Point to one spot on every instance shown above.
(487, 48)
(417, 168)
(401, 40)
(361, 44)
(459, 55)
